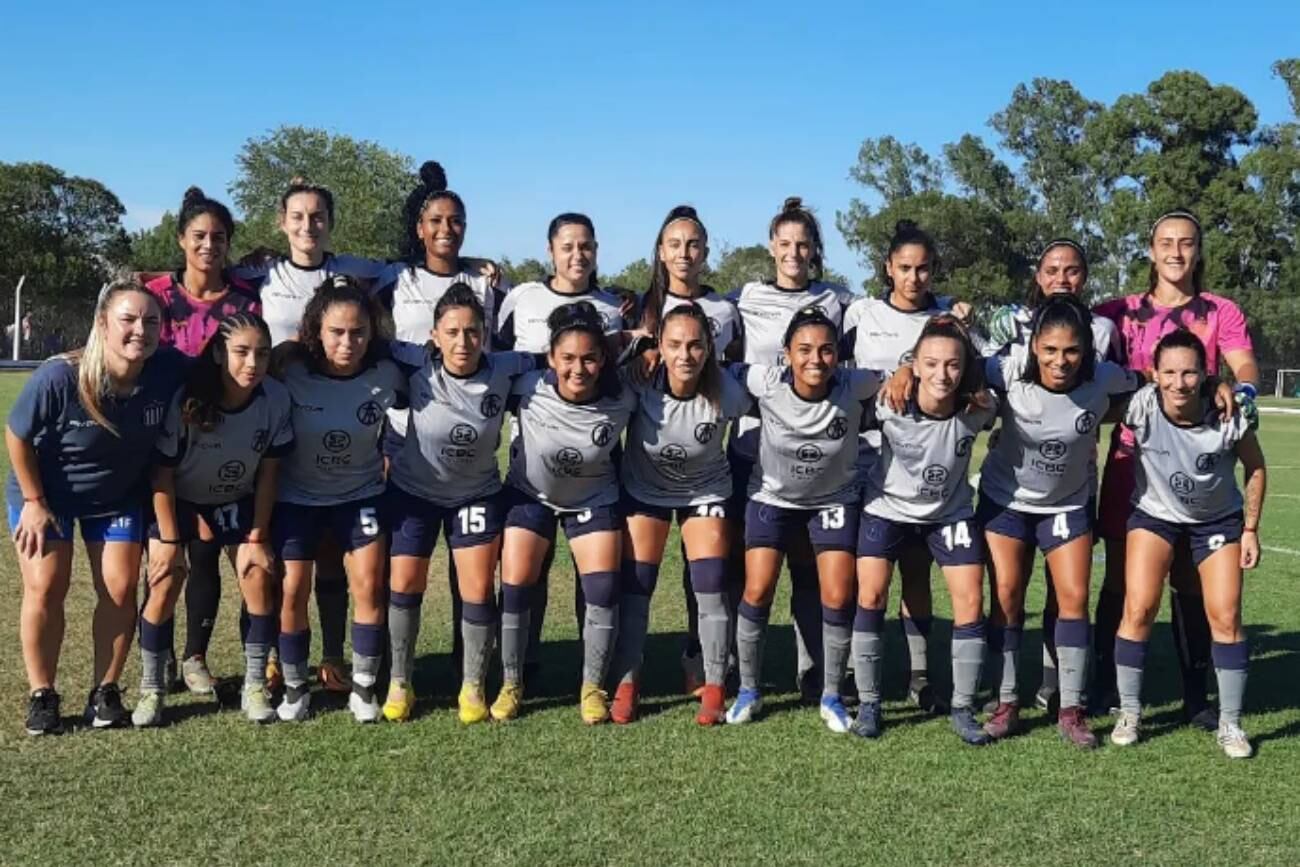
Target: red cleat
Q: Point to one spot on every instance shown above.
(1073, 726)
(623, 709)
(1004, 722)
(713, 710)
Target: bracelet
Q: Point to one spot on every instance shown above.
(40, 499)
(168, 541)
(1250, 529)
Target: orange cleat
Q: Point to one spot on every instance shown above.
(623, 710)
(713, 709)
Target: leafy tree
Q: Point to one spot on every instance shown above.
(635, 276)
(523, 271)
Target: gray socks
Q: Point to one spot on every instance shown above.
(515, 621)
(837, 635)
(1130, 661)
(1005, 641)
(403, 631)
(599, 624)
(868, 648)
(917, 632)
(967, 662)
(751, 628)
(478, 621)
(715, 625)
(1072, 659)
(1230, 663)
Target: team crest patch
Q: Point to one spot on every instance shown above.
(231, 471)
(490, 407)
(1206, 462)
(336, 441)
(259, 440)
(963, 446)
(601, 434)
(809, 453)
(704, 432)
(837, 428)
(462, 435)
(1053, 450)
(1085, 422)
(370, 413)
(153, 413)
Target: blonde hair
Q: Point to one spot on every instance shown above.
(93, 384)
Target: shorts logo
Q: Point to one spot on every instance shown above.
(568, 457)
(1207, 462)
(963, 446)
(673, 453)
(837, 428)
(935, 474)
(259, 440)
(601, 434)
(462, 435)
(808, 453)
(1217, 541)
(491, 406)
(336, 441)
(704, 432)
(369, 413)
(231, 471)
(1085, 422)
(1053, 450)
(153, 413)
(1182, 483)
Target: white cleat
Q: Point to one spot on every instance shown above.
(294, 708)
(1127, 728)
(364, 710)
(1233, 741)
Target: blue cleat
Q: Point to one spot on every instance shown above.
(867, 725)
(837, 719)
(968, 728)
(747, 706)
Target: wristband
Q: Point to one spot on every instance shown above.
(1247, 389)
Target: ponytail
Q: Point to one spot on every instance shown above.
(793, 211)
(653, 306)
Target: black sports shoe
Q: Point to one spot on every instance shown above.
(43, 713)
(968, 728)
(104, 708)
(923, 695)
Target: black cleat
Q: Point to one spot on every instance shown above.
(43, 713)
(104, 708)
(968, 728)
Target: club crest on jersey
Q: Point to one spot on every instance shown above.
(1085, 422)
(673, 453)
(568, 457)
(935, 474)
(963, 446)
(1206, 462)
(462, 435)
(704, 432)
(336, 441)
(837, 428)
(906, 358)
(153, 413)
(370, 413)
(601, 434)
(260, 437)
(1053, 450)
(1182, 483)
(490, 407)
(809, 453)
(231, 471)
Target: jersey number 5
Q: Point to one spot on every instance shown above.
(369, 521)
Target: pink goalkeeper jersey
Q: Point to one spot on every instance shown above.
(188, 323)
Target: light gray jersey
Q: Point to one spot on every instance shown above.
(337, 425)
(563, 454)
(807, 448)
(449, 456)
(1105, 336)
(1186, 475)
(285, 288)
(416, 291)
(220, 465)
(724, 319)
(765, 312)
(922, 475)
(1042, 460)
(521, 321)
(674, 455)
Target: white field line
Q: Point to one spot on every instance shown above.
(1273, 549)
(1279, 410)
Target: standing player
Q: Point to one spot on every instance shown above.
(79, 439)
(444, 478)
(804, 484)
(917, 495)
(1186, 490)
(1034, 491)
(333, 481)
(674, 462)
(218, 458)
(562, 470)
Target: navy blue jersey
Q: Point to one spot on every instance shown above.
(86, 469)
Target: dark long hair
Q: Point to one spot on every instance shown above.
(195, 204)
(572, 218)
(432, 186)
(653, 306)
(1036, 296)
(342, 290)
(972, 372)
(811, 315)
(1199, 307)
(204, 386)
(1062, 311)
(793, 211)
(710, 384)
(583, 317)
(907, 232)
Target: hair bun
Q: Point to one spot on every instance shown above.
(298, 181)
(193, 194)
(433, 176)
(792, 203)
(905, 226)
(685, 212)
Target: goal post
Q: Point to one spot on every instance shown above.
(1288, 383)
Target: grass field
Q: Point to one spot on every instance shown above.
(211, 788)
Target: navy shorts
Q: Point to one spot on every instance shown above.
(741, 470)
(229, 522)
(297, 529)
(414, 522)
(523, 511)
(833, 528)
(1204, 539)
(957, 543)
(1048, 531)
(122, 524)
(632, 506)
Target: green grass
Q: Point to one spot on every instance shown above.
(210, 788)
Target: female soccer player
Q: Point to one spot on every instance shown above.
(917, 496)
(810, 410)
(1175, 298)
(562, 470)
(1186, 491)
(217, 461)
(333, 481)
(79, 439)
(445, 478)
(1034, 491)
(766, 309)
(674, 462)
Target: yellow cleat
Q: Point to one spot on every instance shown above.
(594, 704)
(400, 702)
(473, 707)
(506, 707)
(274, 673)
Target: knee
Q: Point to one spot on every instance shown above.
(1140, 612)
(1225, 624)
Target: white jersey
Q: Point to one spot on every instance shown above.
(285, 288)
(1105, 336)
(1042, 460)
(724, 319)
(1185, 474)
(413, 291)
(521, 321)
(922, 475)
(674, 456)
(765, 312)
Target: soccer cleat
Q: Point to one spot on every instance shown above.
(1206, 718)
(1073, 727)
(1127, 727)
(1049, 699)
(399, 703)
(692, 673)
(867, 725)
(747, 706)
(471, 705)
(713, 710)
(1104, 702)
(593, 704)
(832, 712)
(274, 673)
(623, 709)
(148, 709)
(43, 713)
(1233, 741)
(506, 707)
(922, 694)
(198, 680)
(333, 676)
(1004, 722)
(104, 708)
(364, 705)
(968, 728)
(295, 705)
(256, 704)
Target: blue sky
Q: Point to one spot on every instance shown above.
(620, 110)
